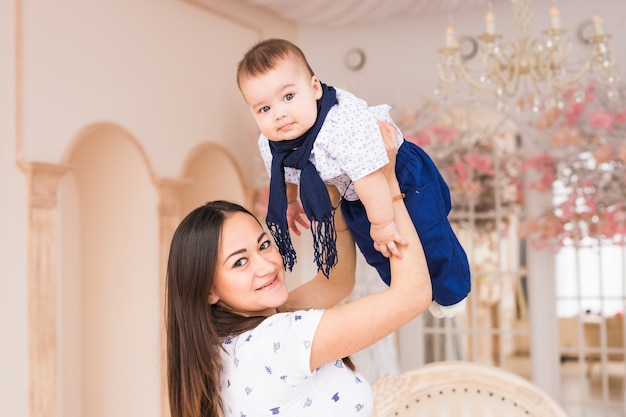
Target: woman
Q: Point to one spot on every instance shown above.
(239, 344)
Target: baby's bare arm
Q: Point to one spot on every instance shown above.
(376, 197)
(374, 192)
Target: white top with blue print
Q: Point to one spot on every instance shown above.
(266, 372)
(348, 147)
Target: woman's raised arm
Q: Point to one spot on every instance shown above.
(322, 292)
(349, 328)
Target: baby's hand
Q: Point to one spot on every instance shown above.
(295, 215)
(386, 237)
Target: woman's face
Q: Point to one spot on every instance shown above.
(249, 278)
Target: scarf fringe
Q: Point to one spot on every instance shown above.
(325, 244)
(285, 247)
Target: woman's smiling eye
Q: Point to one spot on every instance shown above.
(265, 245)
(289, 97)
(240, 262)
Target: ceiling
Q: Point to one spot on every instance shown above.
(341, 12)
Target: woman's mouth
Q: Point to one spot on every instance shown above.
(270, 284)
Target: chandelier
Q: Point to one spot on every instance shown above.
(527, 66)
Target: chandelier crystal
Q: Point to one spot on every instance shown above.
(528, 66)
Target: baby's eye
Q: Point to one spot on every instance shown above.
(289, 97)
(240, 262)
(264, 109)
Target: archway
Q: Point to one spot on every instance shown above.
(212, 174)
(108, 310)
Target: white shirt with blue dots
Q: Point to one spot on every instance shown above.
(266, 373)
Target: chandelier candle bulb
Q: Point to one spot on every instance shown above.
(555, 19)
(450, 39)
(597, 24)
(490, 23)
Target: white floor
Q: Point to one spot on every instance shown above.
(586, 390)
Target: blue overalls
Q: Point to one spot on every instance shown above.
(428, 203)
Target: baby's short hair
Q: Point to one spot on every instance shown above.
(265, 55)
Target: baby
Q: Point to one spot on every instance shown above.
(312, 134)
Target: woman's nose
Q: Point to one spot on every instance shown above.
(264, 265)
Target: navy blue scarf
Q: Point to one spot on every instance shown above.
(313, 193)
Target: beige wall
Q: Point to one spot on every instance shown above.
(13, 352)
(162, 72)
(122, 94)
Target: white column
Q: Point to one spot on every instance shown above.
(543, 322)
(43, 180)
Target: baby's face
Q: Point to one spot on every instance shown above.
(283, 101)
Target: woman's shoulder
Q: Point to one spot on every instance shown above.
(295, 319)
(279, 325)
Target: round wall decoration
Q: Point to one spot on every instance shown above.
(354, 59)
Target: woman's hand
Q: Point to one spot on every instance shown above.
(388, 131)
(295, 216)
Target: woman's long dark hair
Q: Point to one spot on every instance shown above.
(193, 326)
